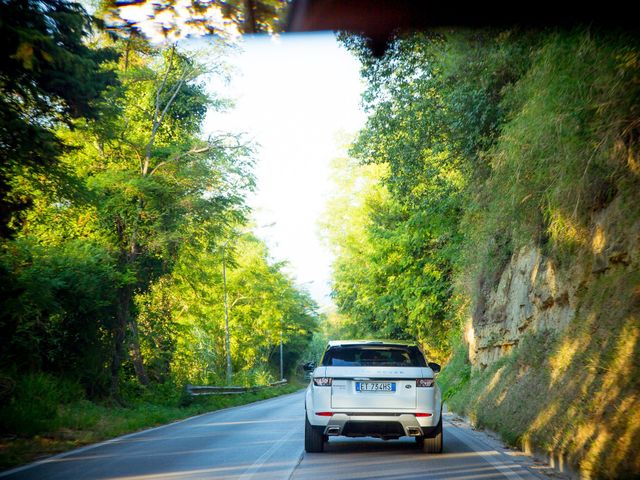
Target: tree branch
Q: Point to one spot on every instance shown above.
(193, 151)
(158, 116)
(241, 297)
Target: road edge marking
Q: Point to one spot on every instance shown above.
(296, 465)
(475, 444)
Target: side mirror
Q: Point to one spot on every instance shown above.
(435, 367)
(309, 366)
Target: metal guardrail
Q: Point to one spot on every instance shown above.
(196, 390)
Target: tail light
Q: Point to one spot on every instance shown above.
(425, 382)
(322, 381)
(419, 414)
(324, 414)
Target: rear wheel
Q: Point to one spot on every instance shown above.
(432, 443)
(313, 437)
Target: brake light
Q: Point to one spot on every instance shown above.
(322, 381)
(419, 414)
(425, 382)
(324, 414)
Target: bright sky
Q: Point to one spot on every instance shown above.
(295, 95)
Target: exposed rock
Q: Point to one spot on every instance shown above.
(532, 293)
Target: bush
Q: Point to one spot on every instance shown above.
(33, 406)
(456, 374)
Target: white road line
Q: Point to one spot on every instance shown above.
(296, 465)
(491, 456)
(253, 469)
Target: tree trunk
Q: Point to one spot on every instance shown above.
(136, 353)
(134, 344)
(124, 320)
(122, 314)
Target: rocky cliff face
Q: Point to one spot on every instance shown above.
(533, 293)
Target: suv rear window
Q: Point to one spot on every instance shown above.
(373, 356)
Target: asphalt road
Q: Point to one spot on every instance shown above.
(264, 440)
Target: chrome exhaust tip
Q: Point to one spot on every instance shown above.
(333, 430)
(413, 431)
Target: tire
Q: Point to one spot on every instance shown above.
(432, 443)
(313, 438)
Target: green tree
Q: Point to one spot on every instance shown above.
(435, 111)
(57, 309)
(263, 304)
(412, 237)
(94, 282)
(154, 175)
(49, 76)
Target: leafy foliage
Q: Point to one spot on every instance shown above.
(263, 305)
(412, 236)
(493, 141)
(172, 20)
(48, 78)
(52, 292)
(113, 281)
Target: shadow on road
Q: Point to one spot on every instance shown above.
(360, 458)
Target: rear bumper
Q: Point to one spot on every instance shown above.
(383, 426)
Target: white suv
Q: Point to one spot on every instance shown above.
(373, 389)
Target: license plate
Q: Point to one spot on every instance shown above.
(375, 386)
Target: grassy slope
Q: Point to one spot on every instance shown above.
(568, 149)
(575, 394)
(84, 422)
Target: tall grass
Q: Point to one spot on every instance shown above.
(33, 406)
(563, 151)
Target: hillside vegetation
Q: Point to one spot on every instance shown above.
(127, 264)
(500, 228)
